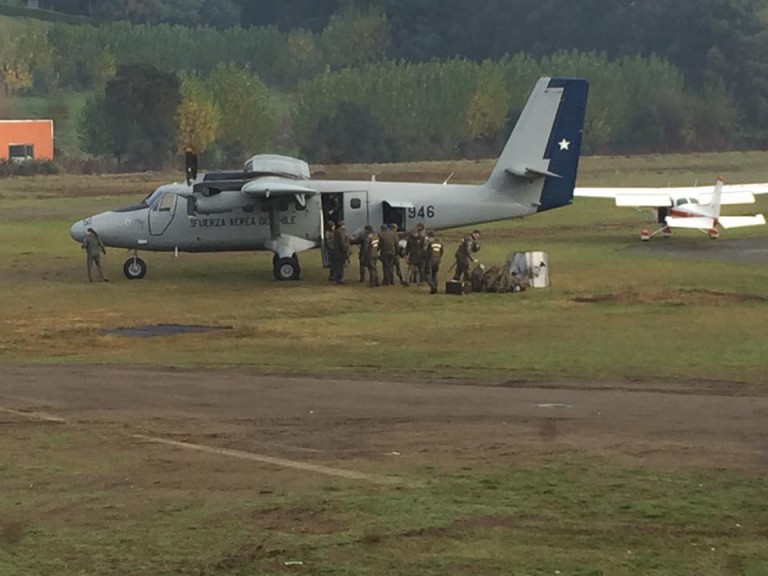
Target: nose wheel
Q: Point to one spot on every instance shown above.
(135, 268)
(286, 268)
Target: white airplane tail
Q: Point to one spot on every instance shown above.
(717, 198)
(545, 143)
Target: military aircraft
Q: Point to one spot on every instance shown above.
(273, 203)
(694, 207)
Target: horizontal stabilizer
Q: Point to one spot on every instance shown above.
(649, 200)
(741, 221)
(530, 172)
(695, 222)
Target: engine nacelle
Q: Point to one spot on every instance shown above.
(222, 202)
(278, 166)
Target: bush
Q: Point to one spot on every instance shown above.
(27, 168)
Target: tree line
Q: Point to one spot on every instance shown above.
(391, 111)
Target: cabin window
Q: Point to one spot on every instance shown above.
(355, 203)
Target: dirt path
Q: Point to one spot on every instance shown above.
(334, 422)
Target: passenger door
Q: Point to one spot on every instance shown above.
(356, 211)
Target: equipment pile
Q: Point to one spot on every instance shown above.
(520, 271)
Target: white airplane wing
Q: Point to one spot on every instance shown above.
(740, 221)
(658, 197)
(652, 197)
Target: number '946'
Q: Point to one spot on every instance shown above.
(421, 212)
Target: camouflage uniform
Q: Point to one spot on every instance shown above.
(94, 248)
(328, 249)
(468, 245)
(400, 251)
(414, 250)
(432, 261)
(388, 253)
(369, 251)
(339, 253)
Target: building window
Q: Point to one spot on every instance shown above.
(21, 152)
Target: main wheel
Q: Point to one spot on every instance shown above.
(135, 268)
(286, 268)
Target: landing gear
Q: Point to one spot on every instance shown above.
(135, 268)
(646, 235)
(286, 268)
(713, 233)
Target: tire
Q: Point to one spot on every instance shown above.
(135, 269)
(286, 269)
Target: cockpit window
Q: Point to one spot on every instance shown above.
(153, 197)
(165, 203)
(681, 201)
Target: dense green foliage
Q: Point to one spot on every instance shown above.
(421, 78)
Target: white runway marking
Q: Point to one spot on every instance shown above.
(35, 415)
(280, 462)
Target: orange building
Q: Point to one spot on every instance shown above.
(26, 139)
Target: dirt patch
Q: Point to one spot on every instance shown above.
(153, 330)
(383, 428)
(680, 297)
(11, 532)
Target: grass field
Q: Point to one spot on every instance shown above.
(612, 313)
(86, 497)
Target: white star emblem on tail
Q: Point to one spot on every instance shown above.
(564, 144)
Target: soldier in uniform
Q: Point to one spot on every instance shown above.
(359, 240)
(468, 245)
(339, 252)
(414, 251)
(369, 250)
(434, 254)
(400, 251)
(328, 257)
(94, 248)
(388, 248)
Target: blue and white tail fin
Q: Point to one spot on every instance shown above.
(541, 158)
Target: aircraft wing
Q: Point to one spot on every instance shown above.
(651, 197)
(658, 197)
(271, 186)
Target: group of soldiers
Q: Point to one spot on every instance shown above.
(421, 248)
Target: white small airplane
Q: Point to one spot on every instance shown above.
(694, 207)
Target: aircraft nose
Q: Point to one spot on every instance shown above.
(77, 231)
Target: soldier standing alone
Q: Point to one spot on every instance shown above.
(94, 248)
(433, 256)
